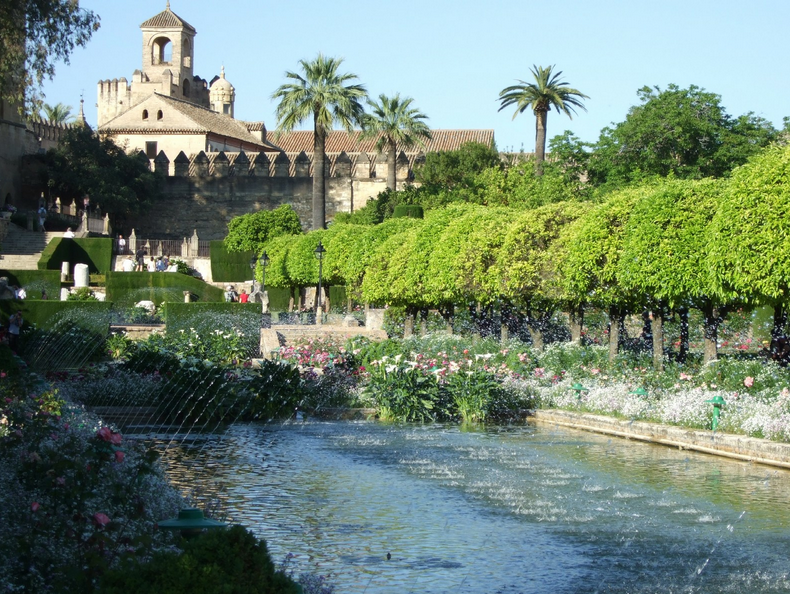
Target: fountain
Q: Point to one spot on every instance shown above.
(432, 508)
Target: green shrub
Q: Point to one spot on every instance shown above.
(232, 561)
(229, 267)
(35, 281)
(125, 289)
(412, 211)
(96, 252)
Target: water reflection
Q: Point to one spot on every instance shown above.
(511, 509)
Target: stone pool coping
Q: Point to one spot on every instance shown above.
(739, 447)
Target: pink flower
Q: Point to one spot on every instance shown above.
(540, 371)
(100, 519)
(748, 381)
(104, 433)
(34, 506)
(119, 455)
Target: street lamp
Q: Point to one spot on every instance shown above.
(319, 253)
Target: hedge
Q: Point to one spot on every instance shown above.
(48, 314)
(412, 211)
(96, 252)
(34, 281)
(229, 267)
(127, 288)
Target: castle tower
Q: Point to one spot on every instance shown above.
(168, 52)
(222, 95)
(168, 47)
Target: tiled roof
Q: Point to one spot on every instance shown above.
(340, 140)
(166, 19)
(204, 121)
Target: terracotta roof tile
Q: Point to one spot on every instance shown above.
(166, 19)
(339, 140)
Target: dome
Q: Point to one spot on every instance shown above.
(221, 90)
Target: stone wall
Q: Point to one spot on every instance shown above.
(204, 192)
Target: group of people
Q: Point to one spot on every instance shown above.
(231, 296)
(139, 264)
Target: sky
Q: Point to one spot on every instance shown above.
(453, 57)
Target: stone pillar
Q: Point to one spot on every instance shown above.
(302, 165)
(162, 164)
(64, 271)
(193, 244)
(107, 228)
(81, 275)
(201, 165)
(133, 243)
(282, 165)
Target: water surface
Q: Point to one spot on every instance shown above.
(519, 509)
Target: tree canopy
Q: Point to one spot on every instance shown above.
(121, 184)
(34, 36)
(547, 92)
(250, 232)
(681, 132)
(394, 122)
(325, 95)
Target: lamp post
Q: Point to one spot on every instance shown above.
(319, 253)
(253, 263)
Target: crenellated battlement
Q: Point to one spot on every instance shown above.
(49, 134)
(356, 165)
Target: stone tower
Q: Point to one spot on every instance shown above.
(168, 47)
(222, 95)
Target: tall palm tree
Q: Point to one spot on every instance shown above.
(546, 92)
(323, 93)
(394, 122)
(57, 114)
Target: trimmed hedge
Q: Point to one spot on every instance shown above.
(96, 252)
(34, 281)
(412, 211)
(47, 314)
(229, 267)
(127, 288)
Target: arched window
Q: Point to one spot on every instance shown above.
(162, 51)
(186, 54)
(159, 115)
(186, 87)
(145, 114)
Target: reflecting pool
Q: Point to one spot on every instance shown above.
(517, 509)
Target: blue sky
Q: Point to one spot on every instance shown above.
(454, 56)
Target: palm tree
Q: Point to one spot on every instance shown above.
(57, 114)
(323, 93)
(394, 122)
(546, 92)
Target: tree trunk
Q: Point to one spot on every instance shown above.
(448, 313)
(423, 321)
(778, 337)
(291, 300)
(540, 140)
(615, 321)
(319, 187)
(504, 330)
(536, 334)
(475, 314)
(710, 331)
(683, 352)
(391, 181)
(349, 305)
(576, 321)
(657, 327)
(408, 323)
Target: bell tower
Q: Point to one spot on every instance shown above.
(168, 53)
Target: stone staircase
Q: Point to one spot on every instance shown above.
(21, 249)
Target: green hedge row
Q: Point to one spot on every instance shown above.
(35, 281)
(229, 267)
(48, 314)
(96, 252)
(127, 288)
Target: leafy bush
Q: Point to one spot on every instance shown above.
(81, 294)
(76, 496)
(232, 561)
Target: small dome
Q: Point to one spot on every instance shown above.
(221, 90)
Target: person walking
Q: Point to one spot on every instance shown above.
(140, 257)
(42, 217)
(121, 245)
(14, 328)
